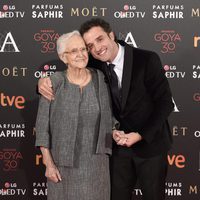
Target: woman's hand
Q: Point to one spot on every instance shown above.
(119, 137)
(53, 174)
(127, 139)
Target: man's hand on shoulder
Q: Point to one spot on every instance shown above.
(45, 88)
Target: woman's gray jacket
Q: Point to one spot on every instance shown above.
(57, 121)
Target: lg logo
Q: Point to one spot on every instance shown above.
(196, 97)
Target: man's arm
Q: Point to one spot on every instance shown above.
(158, 87)
(45, 88)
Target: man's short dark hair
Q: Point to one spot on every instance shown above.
(86, 26)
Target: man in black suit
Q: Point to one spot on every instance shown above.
(142, 102)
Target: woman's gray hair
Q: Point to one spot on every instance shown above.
(62, 40)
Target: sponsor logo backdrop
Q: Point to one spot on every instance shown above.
(28, 34)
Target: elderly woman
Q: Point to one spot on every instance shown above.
(74, 131)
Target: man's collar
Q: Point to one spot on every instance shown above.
(118, 56)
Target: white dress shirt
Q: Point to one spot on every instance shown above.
(119, 64)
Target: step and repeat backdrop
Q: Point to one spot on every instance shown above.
(28, 34)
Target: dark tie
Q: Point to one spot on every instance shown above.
(114, 85)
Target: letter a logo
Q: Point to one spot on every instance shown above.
(130, 40)
(175, 107)
(9, 42)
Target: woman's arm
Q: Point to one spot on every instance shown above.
(52, 171)
(43, 140)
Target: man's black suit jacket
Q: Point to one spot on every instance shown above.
(146, 101)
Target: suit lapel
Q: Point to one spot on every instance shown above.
(127, 73)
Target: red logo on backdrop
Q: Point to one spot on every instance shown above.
(172, 72)
(196, 97)
(196, 41)
(129, 11)
(47, 70)
(47, 39)
(10, 11)
(12, 101)
(10, 159)
(176, 160)
(12, 189)
(38, 159)
(5, 8)
(168, 40)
